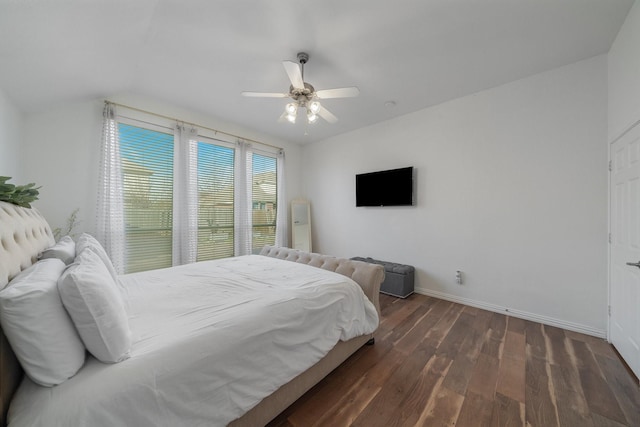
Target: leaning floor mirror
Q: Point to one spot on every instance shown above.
(301, 225)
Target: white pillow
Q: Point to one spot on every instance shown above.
(65, 250)
(87, 241)
(95, 305)
(37, 326)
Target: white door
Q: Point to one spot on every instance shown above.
(624, 322)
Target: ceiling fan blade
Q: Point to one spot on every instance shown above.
(282, 118)
(327, 115)
(343, 92)
(294, 73)
(265, 94)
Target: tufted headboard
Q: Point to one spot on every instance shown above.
(24, 233)
(368, 276)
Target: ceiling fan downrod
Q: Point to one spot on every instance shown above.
(303, 57)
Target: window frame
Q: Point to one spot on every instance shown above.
(165, 125)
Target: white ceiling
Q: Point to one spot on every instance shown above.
(200, 54)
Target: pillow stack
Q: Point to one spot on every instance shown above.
(64, 250)
(65, 303)
(93, 300)
(37, 326)
(87, 242)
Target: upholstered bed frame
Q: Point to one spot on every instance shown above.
(369, 277)
(24, 233)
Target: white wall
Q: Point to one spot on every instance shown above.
(63, 147)
(624, 75)
(511, 189)
(60, 150)
(10, 139)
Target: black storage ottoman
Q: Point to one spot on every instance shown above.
(398, 280)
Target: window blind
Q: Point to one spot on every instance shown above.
(147, 171)
(264, 201)
(215, 201)
(149, 156)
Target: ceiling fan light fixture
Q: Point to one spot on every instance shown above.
(314, 107)
(311, 116)
(291, 109)
(291, 118)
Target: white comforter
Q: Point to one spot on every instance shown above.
(211, 340)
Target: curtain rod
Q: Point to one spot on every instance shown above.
(192, 124)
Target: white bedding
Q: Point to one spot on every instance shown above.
(210, 340)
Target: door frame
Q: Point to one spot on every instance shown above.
(612, 141)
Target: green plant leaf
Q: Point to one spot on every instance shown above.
(21, 195)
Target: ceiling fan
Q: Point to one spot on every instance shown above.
(304, 95)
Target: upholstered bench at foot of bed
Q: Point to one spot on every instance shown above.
(398, 280)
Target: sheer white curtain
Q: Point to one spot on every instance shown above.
(110, 230)
(243, 196)
(185, 195)
(282, 223)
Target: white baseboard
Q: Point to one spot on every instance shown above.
(576, 327)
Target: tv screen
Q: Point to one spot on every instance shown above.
(385, 188)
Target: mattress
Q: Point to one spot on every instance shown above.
(210, 341)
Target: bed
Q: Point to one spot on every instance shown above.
(173, 355)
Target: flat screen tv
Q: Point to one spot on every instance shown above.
(385, 188)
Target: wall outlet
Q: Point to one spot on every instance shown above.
(459, 277)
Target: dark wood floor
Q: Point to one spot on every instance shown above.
(437, 363)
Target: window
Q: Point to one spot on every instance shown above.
(215, 201)
(147, 161)
(147, 180)
(264, 201)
